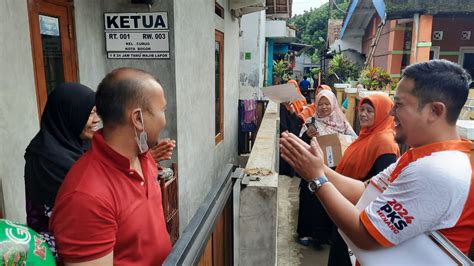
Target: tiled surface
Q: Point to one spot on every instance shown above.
(288, 251)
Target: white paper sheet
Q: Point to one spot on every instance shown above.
(282, 93)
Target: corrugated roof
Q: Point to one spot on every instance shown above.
(359, 14)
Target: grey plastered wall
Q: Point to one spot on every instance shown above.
(194, 49)
(18, 108)
(226, 151)
(252, 40)
(93, 62)
(200, 159)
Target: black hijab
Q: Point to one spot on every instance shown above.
(57, 146)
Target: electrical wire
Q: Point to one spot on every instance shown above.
(334, 2)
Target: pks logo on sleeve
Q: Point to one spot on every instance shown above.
(395, 216)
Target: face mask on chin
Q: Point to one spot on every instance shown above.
(142, 138)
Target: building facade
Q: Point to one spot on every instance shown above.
(45, 42)
(394, 34)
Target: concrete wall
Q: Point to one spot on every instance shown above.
(354, 43)
(301, 62)
(226, 152)
(278, 29)
(252, 41)
(334, 28)
(258, 218)
(200, 158)
(18, 108)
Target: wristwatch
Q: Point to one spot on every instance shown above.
(315, 184)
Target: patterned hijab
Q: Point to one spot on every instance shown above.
(336, 121)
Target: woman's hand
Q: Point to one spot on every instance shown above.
(311, 132)
(163, 150)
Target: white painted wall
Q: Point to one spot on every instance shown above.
(19, 120)
(226, 152)
(200, 159)
(195, 102)
(187, 78)
(90, 42)
(278, 29)
(347, 43)
(302, 61)
(252, 41)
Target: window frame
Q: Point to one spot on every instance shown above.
(435, 50)
(219, 136)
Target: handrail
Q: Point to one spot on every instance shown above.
(192, 242)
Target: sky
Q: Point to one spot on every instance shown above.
(299, 6)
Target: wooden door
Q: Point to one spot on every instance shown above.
(53, 45)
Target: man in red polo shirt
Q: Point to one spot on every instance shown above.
(108, 210)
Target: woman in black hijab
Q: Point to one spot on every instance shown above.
(67, 125)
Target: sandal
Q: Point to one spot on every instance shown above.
(305, 241)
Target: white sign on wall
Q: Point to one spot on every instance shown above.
(137, 35)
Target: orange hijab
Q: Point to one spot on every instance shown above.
(372, 142)
(310, 110)
(324, 87)
(298, 105)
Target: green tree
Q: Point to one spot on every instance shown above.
(313, 24)
(344, 69)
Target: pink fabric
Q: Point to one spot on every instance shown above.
(335, 122)
(250, 111)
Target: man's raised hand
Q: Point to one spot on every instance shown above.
(301, 156)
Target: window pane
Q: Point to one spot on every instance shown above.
(218, 82)
(52, 52)
(468, 63)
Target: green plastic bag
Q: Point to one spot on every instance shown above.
(20, 245)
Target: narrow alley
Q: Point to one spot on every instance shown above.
(289, 252)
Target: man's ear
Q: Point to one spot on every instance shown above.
(438, 110)
(137, 118)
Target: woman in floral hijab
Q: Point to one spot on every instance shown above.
(328, 119)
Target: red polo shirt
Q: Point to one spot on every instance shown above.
(104, 205)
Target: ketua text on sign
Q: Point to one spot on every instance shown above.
(135, 21)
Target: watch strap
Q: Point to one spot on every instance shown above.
(315, 184)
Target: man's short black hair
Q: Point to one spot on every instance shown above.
(442, 81)
(118, 90)
(305, 77)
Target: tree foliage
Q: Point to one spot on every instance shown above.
(313, 24)
(374, 78)
(344, 69)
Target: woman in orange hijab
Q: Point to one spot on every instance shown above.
(376, 145)
(289, 121)
(297, 105)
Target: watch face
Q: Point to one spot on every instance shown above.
(314, 185)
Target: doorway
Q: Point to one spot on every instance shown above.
(53, 45)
